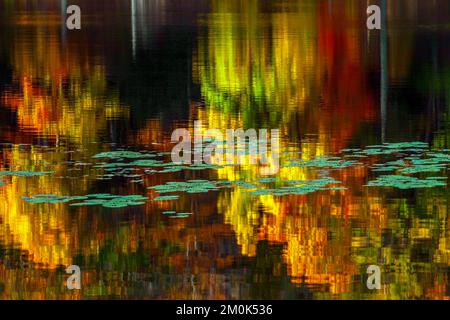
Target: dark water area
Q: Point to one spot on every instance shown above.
(86, 177)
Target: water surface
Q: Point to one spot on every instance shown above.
(347, 195)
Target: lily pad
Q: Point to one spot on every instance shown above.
(192, 186)
(323, 162)
(301, 187)
(166, 198)
(406, 182)
(25, 173)
(123, 155)
(103, 199)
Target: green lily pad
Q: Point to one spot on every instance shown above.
(166, 198)
(192, 186)
(323, 162)
(103, 199)
(25, 173)
(406, 182)
(123, 155)
(267, 180)
(301, 187)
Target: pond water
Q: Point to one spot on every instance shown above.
(86, 177)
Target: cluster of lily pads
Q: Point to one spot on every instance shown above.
(405, 182)
(191, 186)
(323, 162)
(412, 158)
(388, 149)
(293, 187)
(104, 199)
(411, 167)
(25, 173)
(121, 154)
(22, 174)
(401, 161)
(175, 215)
(299, 187)
(142, 161)
(415, 158)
